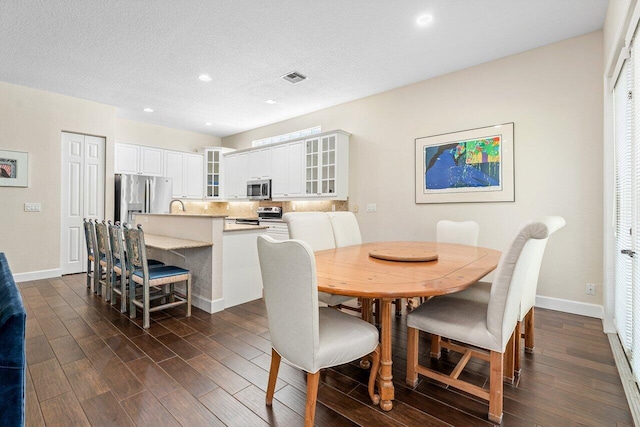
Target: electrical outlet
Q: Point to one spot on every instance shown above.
(293, 207)
(355, 209)
(333, 207)
(590, 289)
(32, 207)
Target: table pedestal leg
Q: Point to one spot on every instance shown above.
(385, 377)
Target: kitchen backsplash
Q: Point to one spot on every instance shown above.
(249, 209)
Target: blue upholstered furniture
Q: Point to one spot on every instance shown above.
(12, 349)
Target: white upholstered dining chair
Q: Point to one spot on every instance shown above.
(526, 272)
(308, 337)
(346, 231)
(315, 229)
(487, 326)
(458, 232)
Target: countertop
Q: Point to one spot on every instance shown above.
(244, 227)
(167, 243)
(184, 214)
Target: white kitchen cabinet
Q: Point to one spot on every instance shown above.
(236, 175)
(287, 166)
(214, 172)
(327, 166)
(138, 160)
(260, 163)
(187, 172)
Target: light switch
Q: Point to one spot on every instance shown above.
(32, 207)
(371, 207)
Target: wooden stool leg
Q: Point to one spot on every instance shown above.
(528, 331)
(312, 396)
(189, 296)
(376, 305)
(145, 307)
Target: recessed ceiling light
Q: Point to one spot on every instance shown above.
(270, 101)
(424, 20)
(208, 124)
(148, 110)
(204, 78)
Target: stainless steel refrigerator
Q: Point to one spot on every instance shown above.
(141, 194)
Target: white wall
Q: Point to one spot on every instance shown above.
(554, 96)
(32, 120)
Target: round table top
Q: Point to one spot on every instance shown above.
(351, 271)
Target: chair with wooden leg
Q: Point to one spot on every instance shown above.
(528, 273)
(308, 337)
(88, 238)
(487, 327)
(140, 275)
(119, 272)
(316, 230)
(105, 259)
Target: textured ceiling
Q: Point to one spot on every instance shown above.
(140, 53)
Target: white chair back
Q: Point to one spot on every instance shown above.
(314, 228)
(528, 267)
(346, 231)
(461, 233)
(291, 297)
(507, 287)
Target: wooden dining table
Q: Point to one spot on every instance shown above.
(352, 271)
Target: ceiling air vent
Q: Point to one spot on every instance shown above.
(294, 77)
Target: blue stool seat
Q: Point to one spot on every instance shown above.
(162, 272)
(152, 263)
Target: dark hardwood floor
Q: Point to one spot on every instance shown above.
(90, 365)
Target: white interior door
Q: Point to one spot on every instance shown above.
(83, 165)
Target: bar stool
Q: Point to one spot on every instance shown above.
(141, 275)
(88, 238)
(119, 273)
(104, 267)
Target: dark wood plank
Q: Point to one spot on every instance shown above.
(277, 414)
(152, 347)
(145, 410)
(67, 349)
(84, 379)
(179, 346)
(229, 410)
(220, 374)
(64, 410)
(189, 410)
(208, 346)
(49, 380)
(104, 410)
(124, 348)
(153, 377)
(194, 382)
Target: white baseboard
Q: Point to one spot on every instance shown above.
(207, 305)
(37, 275)
(569, 306)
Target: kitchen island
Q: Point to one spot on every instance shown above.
(225, 269)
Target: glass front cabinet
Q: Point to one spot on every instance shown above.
(213, 167)
(327, 166)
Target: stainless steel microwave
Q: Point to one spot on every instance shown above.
(259, 189)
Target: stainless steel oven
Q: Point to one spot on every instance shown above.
(259, 189)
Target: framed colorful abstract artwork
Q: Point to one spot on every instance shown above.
(14, 168)
(474, 165)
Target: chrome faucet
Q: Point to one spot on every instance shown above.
(176, 200)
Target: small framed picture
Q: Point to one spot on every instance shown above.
(14, 168)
